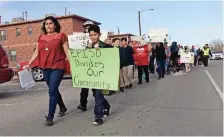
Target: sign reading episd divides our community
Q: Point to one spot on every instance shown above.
(95, 69)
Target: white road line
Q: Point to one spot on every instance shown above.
(218, 90)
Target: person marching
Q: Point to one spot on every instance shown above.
(195, 55)
(102, 107)
(168, 53)
(206, 53)
(116, 44)
(142, 61)
(187, 65)
(174, 55)
(160, 59)
(85, 91)
(152, 60)
(51, 51)
(128, 63)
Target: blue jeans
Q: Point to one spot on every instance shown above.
(100, 104)
(53, 79)
(161, 67)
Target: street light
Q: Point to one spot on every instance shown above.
(139, 20)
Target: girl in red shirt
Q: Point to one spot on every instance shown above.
(51, 51)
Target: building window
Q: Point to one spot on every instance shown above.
(30, 30)
(18, 32)
(3, 35)
(12, 54)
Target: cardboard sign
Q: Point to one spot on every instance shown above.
(92, 68)
(78, 40)
(187, 57)
(139, 39)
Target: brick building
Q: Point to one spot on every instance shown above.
(128, 36)
(20, 38)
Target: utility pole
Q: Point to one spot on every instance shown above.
(23, 17)
(65, 10)
(139, 23)
(139, 20)
(26, 15)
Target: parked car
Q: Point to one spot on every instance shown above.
(217, 55)
(6, 73)
(38, 72)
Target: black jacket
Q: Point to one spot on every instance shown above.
(121, 52)
(128, 56)
(153, 53)
(160, 53)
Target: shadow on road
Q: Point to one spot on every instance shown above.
(14, 94)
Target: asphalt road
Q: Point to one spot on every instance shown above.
(182, 105)
(216, 70)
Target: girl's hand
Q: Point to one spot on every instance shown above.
(26, 67)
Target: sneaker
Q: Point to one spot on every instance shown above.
(126, 87)
(130, 86)
(159, 78)
(98, 121)
(139, 83)
(147, 81)
(110, 93)
(122, 89)
(83, 108)
(106, 112)
(48, 121)
(62, 112)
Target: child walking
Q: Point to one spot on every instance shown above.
(187, 65)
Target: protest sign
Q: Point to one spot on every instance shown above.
(187, 57)
(138, 40)
(78, 40)
(135, 38)
(96, 69)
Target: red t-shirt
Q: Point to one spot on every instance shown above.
(141, 55)
(50, 51)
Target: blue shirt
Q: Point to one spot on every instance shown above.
(195, 52)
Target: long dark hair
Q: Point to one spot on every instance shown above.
(55, 21)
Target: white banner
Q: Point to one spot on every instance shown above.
(135, 38)
(187, 57)
(78, 40)
(140, 39)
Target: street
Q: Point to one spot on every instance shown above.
(180, 105)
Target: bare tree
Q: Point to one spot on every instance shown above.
(216, 45)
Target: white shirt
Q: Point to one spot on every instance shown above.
(96, 45)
